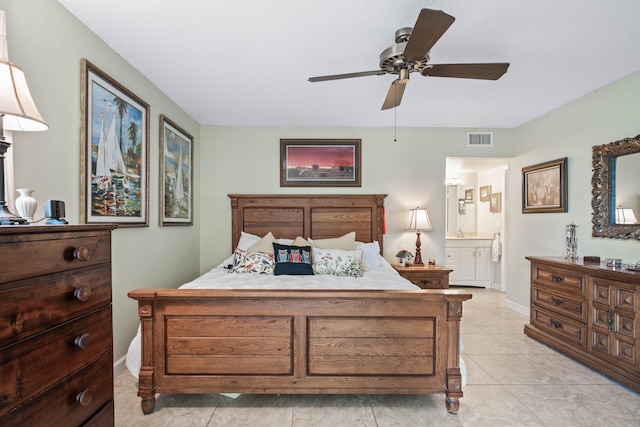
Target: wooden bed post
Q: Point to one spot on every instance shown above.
(380, 220)
(236, 226)
(146, 379)
(454, 378)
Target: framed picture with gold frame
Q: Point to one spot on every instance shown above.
(485, 192)
(495, 202)
(544, 187)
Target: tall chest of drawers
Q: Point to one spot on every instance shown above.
(589, 312)
(56, 360)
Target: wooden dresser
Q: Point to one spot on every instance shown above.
(426, 276)
(589, 312)
(56, 361)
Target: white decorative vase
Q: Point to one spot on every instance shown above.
(25, 204)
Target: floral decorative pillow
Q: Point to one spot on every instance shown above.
(337, 262)
(252, 262)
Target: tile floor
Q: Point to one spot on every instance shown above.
(512, 381)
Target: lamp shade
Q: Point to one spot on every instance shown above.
(625, 216)
(17, 106)
(419, 220)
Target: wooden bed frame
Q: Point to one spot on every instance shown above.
(301, 341)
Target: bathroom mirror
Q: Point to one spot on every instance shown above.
(615, 193)
(461, 214)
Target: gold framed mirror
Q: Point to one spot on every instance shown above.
(615, 190)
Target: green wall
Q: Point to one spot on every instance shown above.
(48, 43)
(608, 114)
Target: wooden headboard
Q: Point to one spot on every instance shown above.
(318, 216)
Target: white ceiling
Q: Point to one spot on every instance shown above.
(246, 62)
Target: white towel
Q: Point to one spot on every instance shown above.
(496, 249)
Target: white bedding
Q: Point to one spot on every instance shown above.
(382, 277)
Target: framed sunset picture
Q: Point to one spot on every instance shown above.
(320, 163)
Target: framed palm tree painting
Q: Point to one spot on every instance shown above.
(176, 174)
(114, 152)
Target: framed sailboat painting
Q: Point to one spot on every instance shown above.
(176, 174)
(114, 152)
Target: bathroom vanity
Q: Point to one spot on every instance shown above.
(470, 259)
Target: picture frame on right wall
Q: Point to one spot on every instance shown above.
(485, 192)
(544, 187)
(495, 202)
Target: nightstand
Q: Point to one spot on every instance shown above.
(426, 276)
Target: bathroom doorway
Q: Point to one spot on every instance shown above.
(475, 208)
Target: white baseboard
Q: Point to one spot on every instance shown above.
(119, 366)
(517, 307)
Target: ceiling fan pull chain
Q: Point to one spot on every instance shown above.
(395, 124)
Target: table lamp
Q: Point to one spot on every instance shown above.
(625, 216)
(17, 112)
(419, 222)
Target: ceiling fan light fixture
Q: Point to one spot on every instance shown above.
(403, 34)
(403, 75)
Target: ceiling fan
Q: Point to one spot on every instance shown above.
(410, 54)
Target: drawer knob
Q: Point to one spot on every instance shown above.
(82, 293)
(555, 323)
(556, 301)
(557, 279)
(83, 341)
(82, 253)
(85, 397)
(425, 282)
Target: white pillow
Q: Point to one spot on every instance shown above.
(247, 240)
(287, 242)
(346, 242)
(370, 254)
(336, 262)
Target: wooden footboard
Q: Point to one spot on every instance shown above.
(300, 342)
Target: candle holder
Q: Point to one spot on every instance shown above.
(571, 242)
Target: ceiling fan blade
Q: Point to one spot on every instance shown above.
(489, 71)
(430, 26)
(394, 96)
(347, 76)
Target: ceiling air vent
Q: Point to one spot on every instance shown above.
(480, 139)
